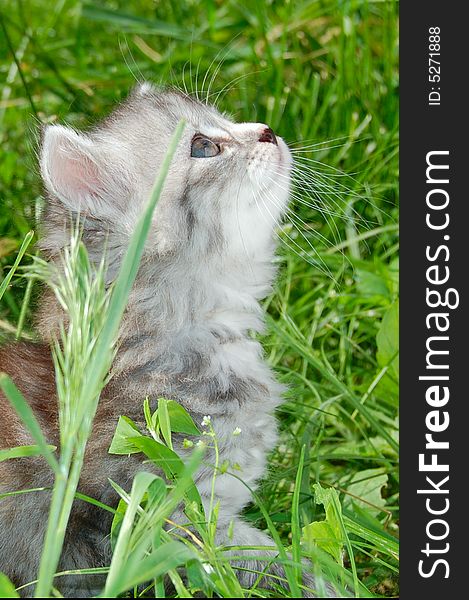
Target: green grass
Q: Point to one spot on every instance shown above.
(318, 72)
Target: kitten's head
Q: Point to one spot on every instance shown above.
(226, 190)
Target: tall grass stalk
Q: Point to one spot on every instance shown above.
(81, 292)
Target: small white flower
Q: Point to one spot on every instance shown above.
(237, 431)
(200, 443)
(206, 420)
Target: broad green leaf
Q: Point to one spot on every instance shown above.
(21, 451)
(327, 534)
(371, 284)
(125, 431)
(7, 589)
(322, 534)
(170, 417)
(167, 460)
(161, 455)
(196, 574)
(163, 421)
(181, 421)
(365, 490)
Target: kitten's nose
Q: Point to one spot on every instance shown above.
(268, 136)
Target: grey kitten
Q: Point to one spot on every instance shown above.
(186, 331)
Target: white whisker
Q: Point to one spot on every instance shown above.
(140, 78)
(227, 49)
(322, 265)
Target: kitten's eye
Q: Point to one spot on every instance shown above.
(202, 147)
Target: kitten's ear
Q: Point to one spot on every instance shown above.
(77, 171)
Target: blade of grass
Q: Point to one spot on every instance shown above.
(24, 308)
(295, 517)
(348, 545)
(22, 451)
(6, 282)
(381, 541)
(27, 416)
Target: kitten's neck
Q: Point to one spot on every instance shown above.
(175, 299)
(187, 325)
